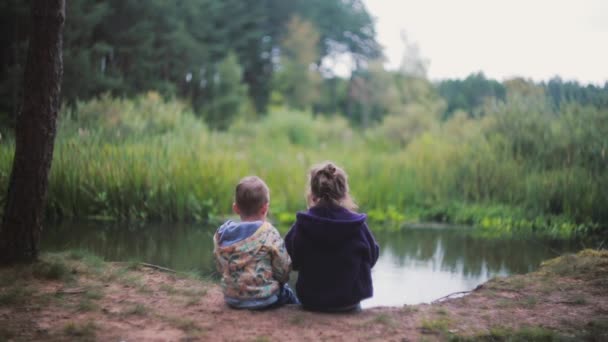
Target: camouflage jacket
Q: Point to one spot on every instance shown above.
(254, 267)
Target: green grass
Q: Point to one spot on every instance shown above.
(86, 305)
(14, 295)
(80, 331)
(410, 309)
(525, 334)
(594, 330)
(383, 319)
(94, 293)
(435, 326)
(6, 334)
(185, 324)
(168, 289)
(136, 310)
(150, 160)
(53, 268)
(297, 319)
(529, 302)
(441, 311)
(262, 339)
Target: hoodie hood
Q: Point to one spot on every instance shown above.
(330, 225)
(232, 232)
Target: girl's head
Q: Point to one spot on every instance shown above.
(328, 185)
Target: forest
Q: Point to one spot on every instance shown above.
(126, 125)
(165, 105)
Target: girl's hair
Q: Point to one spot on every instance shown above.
(328, 185)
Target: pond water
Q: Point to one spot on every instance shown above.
(415, 265)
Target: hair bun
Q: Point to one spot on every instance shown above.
(330, 169)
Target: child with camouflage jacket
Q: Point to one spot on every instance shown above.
(250, 255)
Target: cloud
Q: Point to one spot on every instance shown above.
(535, 39)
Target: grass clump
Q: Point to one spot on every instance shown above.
(594, 330)
(52, 269)
(6, 334)
(410, 309)
(435, 326)
(94, 293)
(192, 301)
(13, 296)
(504, 334)
(87, 305)
(441, 311)
(383, 319)
(136, 310)
(296, 319)
(81, 331)
(529, 302)
(168, 289)
(586, 264)
(261, 339)
(185, 324)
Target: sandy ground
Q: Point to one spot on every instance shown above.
(82, 300)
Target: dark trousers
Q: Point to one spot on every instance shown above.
(286, 296)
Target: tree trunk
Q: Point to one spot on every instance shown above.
(34, 135)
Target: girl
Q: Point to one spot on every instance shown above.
(331, 246)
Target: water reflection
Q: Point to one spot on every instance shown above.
(421, 265)
(415, 266)
(181, 247)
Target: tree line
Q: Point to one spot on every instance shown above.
(233, 58)
(179, 48)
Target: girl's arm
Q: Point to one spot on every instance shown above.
(290, 245)
(374, 249)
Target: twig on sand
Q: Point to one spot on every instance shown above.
(450, 295)
(70, 291)
(160, 268)
(455, 294)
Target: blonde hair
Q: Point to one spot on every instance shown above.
(251, 194)
(328, 185)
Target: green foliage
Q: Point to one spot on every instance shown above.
(14, 295)
(470, 94)
(52, 269)
(521, 168)
(228, 95)
(524, 334)
(176, 48)
(297, 79)
(352, 30)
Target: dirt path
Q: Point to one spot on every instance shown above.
(77, 297)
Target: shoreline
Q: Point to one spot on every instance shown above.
(74, 295)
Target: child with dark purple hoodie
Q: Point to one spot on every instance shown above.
(331, 246)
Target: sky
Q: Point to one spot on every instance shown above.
(535, 39)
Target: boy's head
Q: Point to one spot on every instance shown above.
(251, 199)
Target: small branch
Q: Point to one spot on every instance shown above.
(156, 267)
(450, 295)
(456, 293)
(70, 291)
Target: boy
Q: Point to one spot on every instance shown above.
(250, 255)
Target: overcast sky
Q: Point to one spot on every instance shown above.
(530, 38)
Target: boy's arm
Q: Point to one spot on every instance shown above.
(281, 262)
(216, 258)
(374, 249)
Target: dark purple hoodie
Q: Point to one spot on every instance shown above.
(334, 251)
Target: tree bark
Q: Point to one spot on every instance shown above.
(34, 135)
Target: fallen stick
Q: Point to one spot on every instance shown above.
(70, 291)
(456, 293)
(450, 295)
(160, 268)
